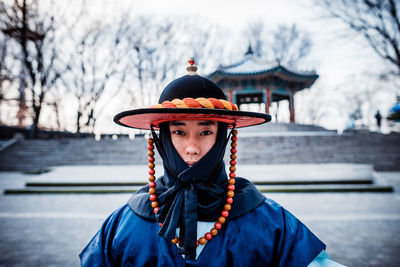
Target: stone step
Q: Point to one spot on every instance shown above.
(56, 184)
(275, 173)
(263, 188)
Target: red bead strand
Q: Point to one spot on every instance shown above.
(152, 178)
(230, 194)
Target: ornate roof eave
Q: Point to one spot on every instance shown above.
(278, 71)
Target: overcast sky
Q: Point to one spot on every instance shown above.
(332, 58)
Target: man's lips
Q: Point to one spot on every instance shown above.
(190, 163)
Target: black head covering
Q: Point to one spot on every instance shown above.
(190, 194)
(191, 86)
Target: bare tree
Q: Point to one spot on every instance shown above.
(6, 76)
(154, 54)
(286, 44)
(9, 77)
(5, 73)
(313, 105)
(159, 50)
(55, 100)
(378, 21)
(143, 52)
(34, 30)
(290, 45)
(96, 62)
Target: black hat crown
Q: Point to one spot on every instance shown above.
(193, 87)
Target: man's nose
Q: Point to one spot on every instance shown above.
(192, 147)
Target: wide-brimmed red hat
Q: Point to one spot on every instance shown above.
(191, 97)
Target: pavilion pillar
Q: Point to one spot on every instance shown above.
(230, 95)
(291, 106)
(268, 104)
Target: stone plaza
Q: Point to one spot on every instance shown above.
(359, 229)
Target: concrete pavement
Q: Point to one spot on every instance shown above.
(360, 229)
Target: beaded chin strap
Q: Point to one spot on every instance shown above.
(231, 188)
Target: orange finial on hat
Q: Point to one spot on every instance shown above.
(192, 69)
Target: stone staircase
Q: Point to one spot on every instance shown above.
(381, 151)
(285, 127)
(28, 155)
(275, 178)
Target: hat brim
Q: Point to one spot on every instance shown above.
(143, 118)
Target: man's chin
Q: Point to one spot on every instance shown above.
(190, 163)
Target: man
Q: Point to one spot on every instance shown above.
(196, 214)
(378, 118)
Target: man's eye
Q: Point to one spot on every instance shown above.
(206, 132)
(178, 132)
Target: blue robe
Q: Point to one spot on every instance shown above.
(268, 235)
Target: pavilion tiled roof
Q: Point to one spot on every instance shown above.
(250, 65)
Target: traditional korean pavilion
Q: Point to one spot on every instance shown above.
(254, 81)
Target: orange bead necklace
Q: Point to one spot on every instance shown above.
(229, 200)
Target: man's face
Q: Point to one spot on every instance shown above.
(192, 139)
